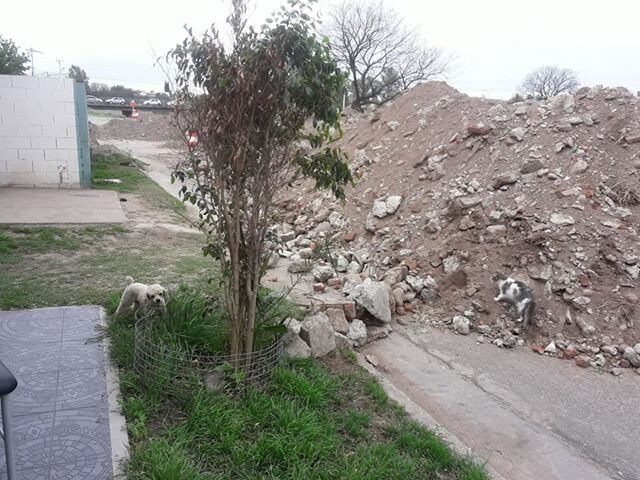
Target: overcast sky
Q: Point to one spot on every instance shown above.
(495, 42)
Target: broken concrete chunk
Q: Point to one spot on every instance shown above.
(506, 179)
(357, 332)
(518, 133)
(374, 298)
(561, 219)
(317, 332)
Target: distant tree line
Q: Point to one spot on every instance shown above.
(104, 91)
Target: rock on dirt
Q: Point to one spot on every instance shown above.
(322, 273)
(317, 332)
(338, 320)
(374, 297)
(357, 332)
(297, 348)
(561, 219)
(461, 324)
(451, 264)
(632, 356)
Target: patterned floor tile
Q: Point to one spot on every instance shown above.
(79, 434)
(81, 355)
(79, 330)
(41, 473)
(34, 358)
(50, 313)
(85, 313)
(31, 330)
(81, 388)
(36, 393)
(33, 436)
(59, 410)
(83, 468)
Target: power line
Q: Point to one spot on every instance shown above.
(32, 50)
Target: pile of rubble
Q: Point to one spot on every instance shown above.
(452, 189)
(150, 126)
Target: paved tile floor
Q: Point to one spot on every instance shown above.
(60, 410)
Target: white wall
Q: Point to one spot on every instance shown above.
(38, 146)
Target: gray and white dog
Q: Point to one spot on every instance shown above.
(518, 294)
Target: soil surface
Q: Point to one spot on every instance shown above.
(527, 417)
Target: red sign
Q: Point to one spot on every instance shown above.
(192, 139)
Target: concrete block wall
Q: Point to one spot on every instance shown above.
(38, 144)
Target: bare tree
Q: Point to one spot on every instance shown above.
(383, 56)
(549, 81)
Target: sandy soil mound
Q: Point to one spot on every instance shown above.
(151, 126)
(547, 192)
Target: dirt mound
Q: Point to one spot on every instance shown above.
(547, 192)
(150, 126)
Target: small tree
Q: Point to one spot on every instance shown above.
(383, 57)
(78, 74)
(12, 62)
(549, 81)
(265, 110)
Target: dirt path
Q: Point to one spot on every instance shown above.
(160, 160)
(528, 416)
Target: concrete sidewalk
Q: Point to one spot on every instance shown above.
(528, 416)
(58, 206)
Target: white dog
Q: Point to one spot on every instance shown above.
(149, 297)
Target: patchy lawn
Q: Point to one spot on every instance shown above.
(72, 265)
(316, 420)
(49, 266)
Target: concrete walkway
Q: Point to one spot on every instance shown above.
(63, 424)
(528, 416)
(158, 159)
(58, 206)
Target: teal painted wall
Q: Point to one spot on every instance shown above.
(82, 134)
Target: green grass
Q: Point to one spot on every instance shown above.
(16, 241)
(195, 321)
(103, 113)
(132, 178)
(315, 420)
(54, 266)
(309, 424)
(49, 266)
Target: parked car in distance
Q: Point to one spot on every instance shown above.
(116, 101)
(152, 101)
(92, 100)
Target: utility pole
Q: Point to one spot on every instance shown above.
(59, 65)
(32, 51)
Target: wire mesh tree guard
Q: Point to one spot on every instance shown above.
(174, 370)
